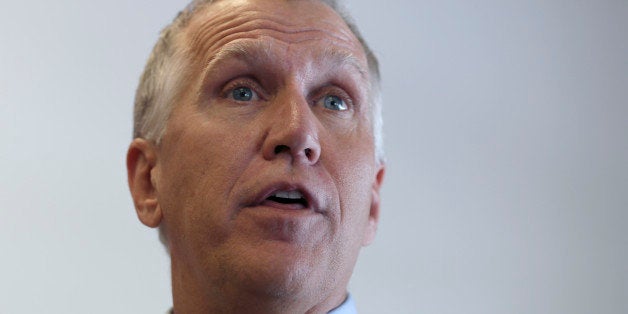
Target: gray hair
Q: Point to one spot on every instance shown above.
(161, 82)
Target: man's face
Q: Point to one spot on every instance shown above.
(266, 176)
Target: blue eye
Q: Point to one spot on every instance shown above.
(242, 94)
(334, 103)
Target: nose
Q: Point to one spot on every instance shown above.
(292, 131)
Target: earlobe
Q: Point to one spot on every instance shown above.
(371, 228)
(141, 160)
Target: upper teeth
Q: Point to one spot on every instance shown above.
(289, 194)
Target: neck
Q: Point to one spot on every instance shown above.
(193, 295)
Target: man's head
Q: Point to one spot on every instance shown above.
(165, 72)
(256, 155)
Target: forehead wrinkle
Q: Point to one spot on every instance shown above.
(260, 51)
(255, 29)
(217, 30)
(244, 50)
(343, 57)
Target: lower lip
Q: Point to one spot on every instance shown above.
(277, 205)
(282, 222)
(270, 209)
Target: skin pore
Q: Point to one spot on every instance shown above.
(276, 100)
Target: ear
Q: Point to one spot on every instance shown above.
(140, 163)
(371, 228)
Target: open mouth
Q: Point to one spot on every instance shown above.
(289, 198)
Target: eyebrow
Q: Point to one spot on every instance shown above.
(253, 51)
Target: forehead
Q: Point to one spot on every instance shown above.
(288, 22)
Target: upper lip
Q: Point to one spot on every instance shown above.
(312, 202)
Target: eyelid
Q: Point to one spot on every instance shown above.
(242, 82)
(332, 90)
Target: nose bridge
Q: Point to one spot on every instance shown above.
(293, 129)
(296, 113)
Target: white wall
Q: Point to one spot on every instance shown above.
(507, 140)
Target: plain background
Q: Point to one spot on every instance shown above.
(506, 133)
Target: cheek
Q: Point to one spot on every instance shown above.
(353, 179)
(352, 168)
(202, 167)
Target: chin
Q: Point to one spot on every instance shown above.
(282, 272)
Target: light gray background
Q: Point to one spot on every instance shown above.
(507, 139)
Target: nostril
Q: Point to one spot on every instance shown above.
(281, 148)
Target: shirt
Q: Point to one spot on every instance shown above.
(347, 307)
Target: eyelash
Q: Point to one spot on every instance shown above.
(330, 90)
(334, 91)
(232, 85)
